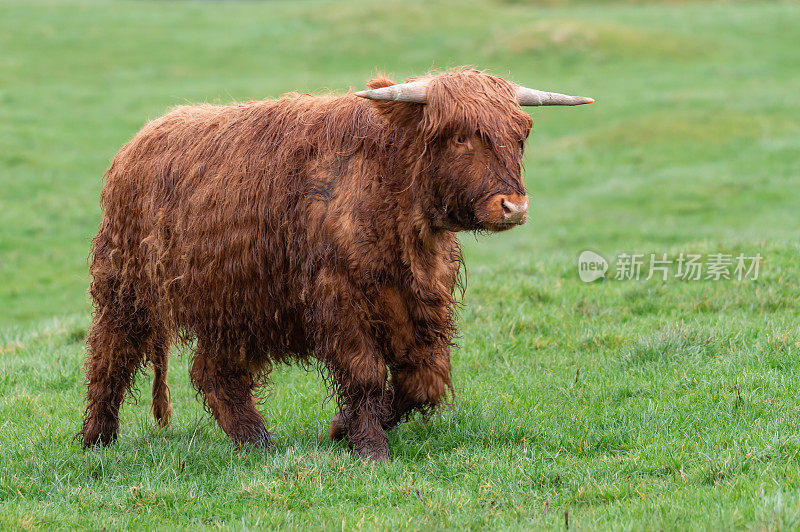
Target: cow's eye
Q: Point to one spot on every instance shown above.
(461, 139)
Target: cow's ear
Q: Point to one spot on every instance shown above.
(401, 114)
(380, 82)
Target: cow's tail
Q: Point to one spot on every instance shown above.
(162, 400)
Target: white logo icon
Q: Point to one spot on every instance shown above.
(591, 266)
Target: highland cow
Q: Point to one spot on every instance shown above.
(307, 228)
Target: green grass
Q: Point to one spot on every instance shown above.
(655, 405)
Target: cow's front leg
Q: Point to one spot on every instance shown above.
(357, 369)
(419, 387)
(416, 387)
(360, 379)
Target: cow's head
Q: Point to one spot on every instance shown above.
(473, 133)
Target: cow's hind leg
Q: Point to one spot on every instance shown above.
(227, 387)
(338, 429)
(122, 335)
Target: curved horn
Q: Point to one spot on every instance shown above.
(413, 92)
(526, 96)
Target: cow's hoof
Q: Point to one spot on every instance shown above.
(337, 430)
(97, 434)
(256, 438)
(374, 452)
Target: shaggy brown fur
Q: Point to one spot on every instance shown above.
(308, 227)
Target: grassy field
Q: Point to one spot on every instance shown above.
(628, 404)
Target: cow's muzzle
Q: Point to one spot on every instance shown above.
(515, 208)
(500, 212)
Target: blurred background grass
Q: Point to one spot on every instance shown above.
(695, 136)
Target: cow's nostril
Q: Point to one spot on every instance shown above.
(507, 207)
